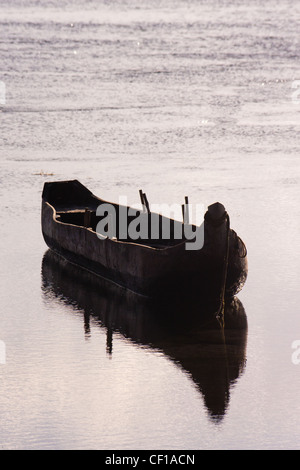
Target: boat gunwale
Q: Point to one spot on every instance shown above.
(105, 238)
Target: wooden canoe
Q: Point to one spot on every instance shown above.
(150, 267)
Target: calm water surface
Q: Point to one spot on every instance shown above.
(178, 98)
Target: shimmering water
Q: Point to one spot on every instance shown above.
(175, 97)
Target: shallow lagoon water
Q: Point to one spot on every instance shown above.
(179, 99)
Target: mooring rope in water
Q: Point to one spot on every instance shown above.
(220, 313)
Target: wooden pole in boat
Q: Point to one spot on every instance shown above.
(146, 203)
(142, 198)
(185, 211)
(187, 215)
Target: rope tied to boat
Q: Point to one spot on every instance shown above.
(220, 313)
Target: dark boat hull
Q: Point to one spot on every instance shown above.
(138, 267)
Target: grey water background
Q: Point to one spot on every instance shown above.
(177, 98)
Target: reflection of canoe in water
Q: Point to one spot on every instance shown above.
(149, 265)
(213, 355)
